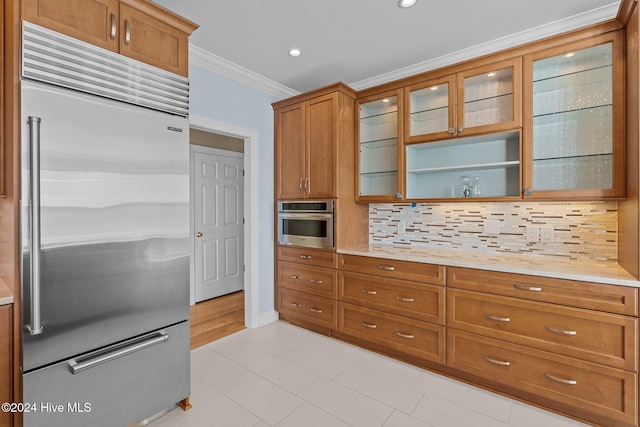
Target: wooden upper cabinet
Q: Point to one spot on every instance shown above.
(479, 100)
(92, 21)
(380, 152)
(289, 156)
(152, 40)
(308, 135)
(138, 29)
(574, 125)
(320, 158)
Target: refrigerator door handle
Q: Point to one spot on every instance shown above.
(35, 326)
(78, 365)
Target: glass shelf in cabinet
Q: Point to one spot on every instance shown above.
(577, 173)
(577, 156)
(379, 119)
(423, 114)
(582, 60)
(467, 167)
(379, 143)
(380, 173)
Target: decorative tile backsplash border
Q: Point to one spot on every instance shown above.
(581, 230)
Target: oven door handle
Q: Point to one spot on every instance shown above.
(287, 215)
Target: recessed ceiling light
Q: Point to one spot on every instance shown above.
(295, 52)
(385, 100)
(434, 88)
(491, 74)
(406, 3)
(569, 55)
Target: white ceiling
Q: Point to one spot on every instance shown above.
(368, 42)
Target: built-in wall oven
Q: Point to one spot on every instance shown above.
(306, 223)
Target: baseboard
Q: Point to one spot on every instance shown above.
(266, 318)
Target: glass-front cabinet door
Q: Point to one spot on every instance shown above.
(490, 98)
(379, 147)
(476, 101)
(574, 121)
(430, 110)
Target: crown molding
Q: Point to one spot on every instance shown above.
(575, 22)
(215, 64)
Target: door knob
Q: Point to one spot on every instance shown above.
(199, 234)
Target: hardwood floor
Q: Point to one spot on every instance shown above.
(216, 318)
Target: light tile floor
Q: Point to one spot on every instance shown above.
(285, 376)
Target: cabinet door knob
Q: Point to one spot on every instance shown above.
(561, 380)
(452, 131)
(528, 191)
(199, 234)
(386, 267)
(369, 325)
(316, 282)
(404, 299)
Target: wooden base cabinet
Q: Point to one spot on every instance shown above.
(6, 362)
(306, 288)
(376, 305)
(566, 345)
(399, 333)
(586, 390)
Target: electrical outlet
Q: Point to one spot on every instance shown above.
(546, 234)
(533, 234)
(491, 227)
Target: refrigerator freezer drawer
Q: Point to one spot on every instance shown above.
(113, 387)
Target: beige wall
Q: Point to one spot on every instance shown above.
(214, 140)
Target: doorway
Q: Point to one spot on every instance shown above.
(249, 139)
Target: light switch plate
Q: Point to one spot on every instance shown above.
(546, 234)
(491, 227)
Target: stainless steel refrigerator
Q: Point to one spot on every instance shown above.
(105, 235)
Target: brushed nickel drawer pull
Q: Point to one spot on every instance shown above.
(561, 380)
(365, 291)
(527, 288)
(305, 256)
(315, 310)
(403, 299)
(496, 361)
(386, 267)
(114, 27)
(560, 331)
(407, 336)
(296, 304)
(497, 319)
(369, 325)
(317, 282)
(293, 276)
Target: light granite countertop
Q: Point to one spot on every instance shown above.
(6, 296)
(588, 271)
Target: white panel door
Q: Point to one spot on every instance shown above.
(218, 224)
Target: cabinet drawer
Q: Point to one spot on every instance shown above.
(594, 296)
(317, 310)
(315, 280)
(308, 256)
(411, 299)
(424, 340)
(428, 273)
(562, 381)
(610, 339)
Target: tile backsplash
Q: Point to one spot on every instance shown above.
(581, 230)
